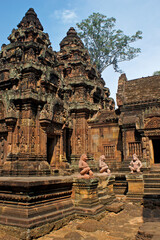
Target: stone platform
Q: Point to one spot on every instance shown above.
(33, 206)
(121, 226)
(27, 203)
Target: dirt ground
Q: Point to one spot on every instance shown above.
(122, 221)
(123, 225)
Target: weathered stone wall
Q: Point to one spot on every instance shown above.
(106, 139)
(139, 90)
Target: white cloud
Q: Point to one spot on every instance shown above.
(66, 15)
(69, 16)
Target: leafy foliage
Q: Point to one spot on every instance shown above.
(106, 45)
(156, 73)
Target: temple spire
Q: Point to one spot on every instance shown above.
(72, 31)
(72, 39)
(30, 18)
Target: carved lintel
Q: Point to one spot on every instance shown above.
(44, 123)
(10, 122)
(46, 113)
(11, 112)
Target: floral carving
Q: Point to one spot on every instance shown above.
(153, 122)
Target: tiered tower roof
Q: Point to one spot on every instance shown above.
(72, 39)
(30, 18)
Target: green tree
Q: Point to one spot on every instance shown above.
(106, 45)
(156, 73)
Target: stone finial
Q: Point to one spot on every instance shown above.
(72, 39)
(30, 18)
(121, 89)
(71, 31)
(122, 78)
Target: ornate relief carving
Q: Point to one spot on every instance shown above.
(53, 111)
(33, 140)
(11, 111)
(2, 140)
(1, 110)
(151, 111)
(153, 122)
(86, 139)
(59, 114)
(79, 143)
(46, 112)
(22, 141)
(28, 122)
(3, 127)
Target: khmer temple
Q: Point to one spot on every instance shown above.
(54, 107)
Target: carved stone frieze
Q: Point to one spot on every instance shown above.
(152, 123)
(42, 90)
(47, 112)
(11, 111)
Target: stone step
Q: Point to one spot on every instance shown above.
(125, 164)
(151, 180)
(155, 167)
(155, 170)
(150, 194)
(151, 176)
(152, 191)
(152, 185)
(124, 168)
(154, 197)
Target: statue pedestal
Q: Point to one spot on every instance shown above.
(105, 189)
(135, 187)
(85, 197)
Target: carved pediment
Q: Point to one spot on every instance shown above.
(151, 112)
(151, 123)
(53, 111)
(59, 114)
(47, 112)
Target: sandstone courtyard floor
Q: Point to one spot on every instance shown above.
(113, 226)
(123, 225)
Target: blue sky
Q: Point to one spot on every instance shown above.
(57, 16)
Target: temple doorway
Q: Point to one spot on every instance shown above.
(53, 150)
(156, 149)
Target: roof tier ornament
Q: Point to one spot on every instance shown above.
(30, 18)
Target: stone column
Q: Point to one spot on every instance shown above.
(10, 122)
(124, 144)
(73, 139)
(62, 148)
